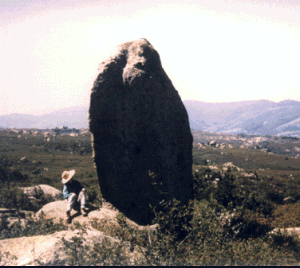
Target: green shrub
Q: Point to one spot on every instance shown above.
(206, 243)
(12, 197)
(192, 235)
(94, 196)
(226, 224)
(275, 197)
(32, 227)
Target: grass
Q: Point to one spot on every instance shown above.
(47, 160)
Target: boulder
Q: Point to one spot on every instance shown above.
(43, 249)
(57, 210)
(288, 200)
(42, 190)
(213, 143)
(141, 136)
(287, 231)
(24, 159)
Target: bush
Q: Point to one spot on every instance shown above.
(94, 197)
(219, 227)
(101, 253)
(199, 234)
(12, 197)
(33, 227)
(206, 243)
(275, 197)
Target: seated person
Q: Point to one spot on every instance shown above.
(74, 192)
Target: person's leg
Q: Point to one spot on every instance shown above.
(69, 216)
(70, 205)
(81, 199)
(71, 202)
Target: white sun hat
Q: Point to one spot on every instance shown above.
(67, 176)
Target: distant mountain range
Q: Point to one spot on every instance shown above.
(74, 117)
(249, 117)
(261, 117)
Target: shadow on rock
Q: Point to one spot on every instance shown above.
(88, 208)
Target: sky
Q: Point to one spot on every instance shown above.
(212, 50)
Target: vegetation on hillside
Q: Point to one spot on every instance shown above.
(240, 197)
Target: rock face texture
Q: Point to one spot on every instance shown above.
(140, 130)
(42, 190)
(44, 248)
(57, 210)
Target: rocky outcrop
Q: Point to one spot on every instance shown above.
(42, 190)
(43, 249)
(39, 195)
(50, 249)
(57, 210)
(286, 231)
(140, 130)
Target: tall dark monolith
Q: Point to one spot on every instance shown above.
(141, 136)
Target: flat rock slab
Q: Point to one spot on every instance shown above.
(141, 136)
(42, 249)
(57, 210)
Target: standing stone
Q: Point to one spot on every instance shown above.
(141, 136)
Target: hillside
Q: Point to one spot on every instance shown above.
(246, 190)
(261, 117)
(249, 117)
(74, 117)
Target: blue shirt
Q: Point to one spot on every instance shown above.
(72, 187)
